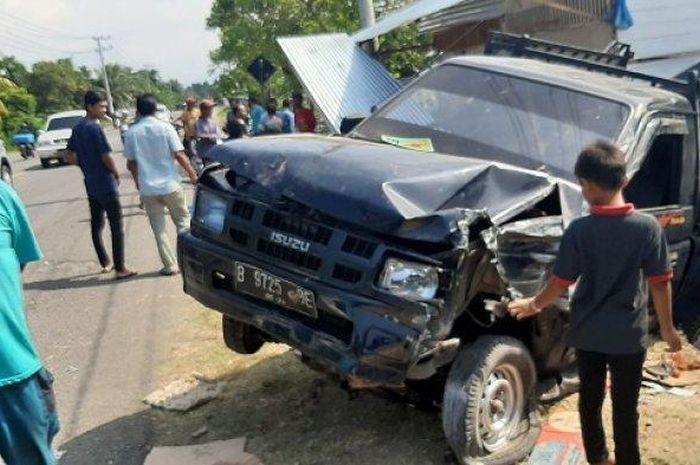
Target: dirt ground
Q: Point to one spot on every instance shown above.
(292, 415)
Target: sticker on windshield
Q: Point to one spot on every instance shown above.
(420, 144)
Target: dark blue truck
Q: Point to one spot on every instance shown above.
(385, 266)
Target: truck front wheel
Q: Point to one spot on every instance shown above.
(240, 337)
(489, 409)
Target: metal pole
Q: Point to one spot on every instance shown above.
(367, 19)
(100, 51)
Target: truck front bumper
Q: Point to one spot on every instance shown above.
(354, 337)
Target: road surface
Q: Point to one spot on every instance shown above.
(102, 339)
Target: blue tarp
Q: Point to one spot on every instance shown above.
(621, 17)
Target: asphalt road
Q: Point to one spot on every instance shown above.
(102, 339)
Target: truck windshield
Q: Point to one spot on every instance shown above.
(66, 122)
(468, 112)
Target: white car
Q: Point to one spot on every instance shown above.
(54, 138)
(163, 114)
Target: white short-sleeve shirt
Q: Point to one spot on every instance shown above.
(153, 144)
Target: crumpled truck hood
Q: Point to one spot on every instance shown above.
(388, 189)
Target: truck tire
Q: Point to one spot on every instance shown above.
(240, 337)
(45, 163)
(496, 372)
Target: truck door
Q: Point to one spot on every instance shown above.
(664, 186)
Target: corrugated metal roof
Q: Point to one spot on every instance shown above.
(466, 12)
(341, 78)
(403, 16)
(667, 67)
(663, 28)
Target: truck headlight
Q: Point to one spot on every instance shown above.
(410, 280)
(210, 211)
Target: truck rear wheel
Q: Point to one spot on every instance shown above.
(240, 337)
(489, 409)
(45, 163)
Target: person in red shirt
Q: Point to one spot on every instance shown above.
(303, 117)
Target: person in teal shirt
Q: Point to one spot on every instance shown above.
(28, 418)
(256, 115)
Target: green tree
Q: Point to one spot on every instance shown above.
(58, 85)
(249, 28)
(14, 71)
(17, 108)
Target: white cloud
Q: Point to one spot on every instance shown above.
(168, 35)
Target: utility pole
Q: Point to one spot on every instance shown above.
(100, 50)
(367, 19)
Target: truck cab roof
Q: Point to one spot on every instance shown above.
(637, 94)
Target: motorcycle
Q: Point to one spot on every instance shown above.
(25, 141)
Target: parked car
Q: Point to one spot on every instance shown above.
(5, 167)
(53, 140)
(163, 114)
(387, 266)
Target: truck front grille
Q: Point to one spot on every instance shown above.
(295, 257)
(307, 243)
(297, 227)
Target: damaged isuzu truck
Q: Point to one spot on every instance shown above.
(384, 256)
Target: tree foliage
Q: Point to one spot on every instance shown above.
(13, 70)
(17, 108)
(249, 28)
(126, 84)
(58, 85)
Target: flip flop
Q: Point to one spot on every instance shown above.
(127, 275)
(107, 269)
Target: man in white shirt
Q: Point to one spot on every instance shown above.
(151, 148)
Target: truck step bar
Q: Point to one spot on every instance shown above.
(613, 62)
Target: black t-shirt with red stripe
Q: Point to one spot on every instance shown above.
(611, 255)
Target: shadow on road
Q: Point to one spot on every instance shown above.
(289, 415)
(83, 281)
(125, 441)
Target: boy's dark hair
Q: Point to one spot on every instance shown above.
(146, 104)
(285, 103)
(603, 164)
(93, 97)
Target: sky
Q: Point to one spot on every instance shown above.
(167, 35)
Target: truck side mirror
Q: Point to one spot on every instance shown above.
(349, 122)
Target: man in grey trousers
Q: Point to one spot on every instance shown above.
(151, 148)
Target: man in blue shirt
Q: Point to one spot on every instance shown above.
(151, 148)
(88, 148)
(28, 419)
(256, 115)
(287, 115)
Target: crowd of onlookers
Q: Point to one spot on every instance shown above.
(246, 118)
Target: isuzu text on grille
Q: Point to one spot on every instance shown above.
(291, 242)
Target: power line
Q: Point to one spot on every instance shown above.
(24, 40)
(41, 29)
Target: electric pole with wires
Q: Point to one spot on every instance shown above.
(100, 50)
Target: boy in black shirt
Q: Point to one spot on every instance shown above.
(613, 254)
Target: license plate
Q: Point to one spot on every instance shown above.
(263, 285)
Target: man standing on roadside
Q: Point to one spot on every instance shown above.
(88, 148)
(287, 116)
(151, 148)
(28, 419)
(189, 121)
(303, 117)
(256, 115)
